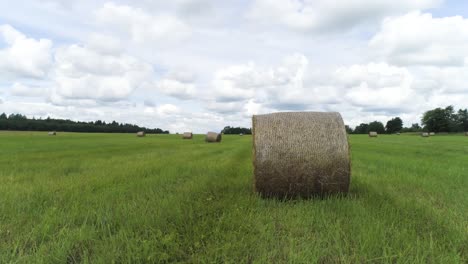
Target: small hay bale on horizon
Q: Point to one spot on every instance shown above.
(424, 134)
(52, 133)
(213, 137)
(373, 134)
(300, 154)
(141, 134)
(398, 133)
(432, 134)
(187, 135)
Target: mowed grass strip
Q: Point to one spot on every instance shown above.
(102, 198)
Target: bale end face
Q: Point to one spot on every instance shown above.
(300, 154)
(187, 135)
(213, 137)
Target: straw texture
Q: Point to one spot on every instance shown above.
(187, 135)
(300, 154)
(213, 137)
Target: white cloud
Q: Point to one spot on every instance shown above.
(330, 15)
(167, 109)
(19, 89)
(177, 89)
(141, 26)
(84, 73)
(421, 39)
(23, 56)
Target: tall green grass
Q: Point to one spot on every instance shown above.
(103, 198)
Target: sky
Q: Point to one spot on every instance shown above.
(199, 65)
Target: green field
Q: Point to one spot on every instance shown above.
(103, 198)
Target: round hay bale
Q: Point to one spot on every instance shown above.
(432, 134)
(141, 134)
(187, 135)
(52, 133)
(466, 134)
(398, 133)
(213, 137)
(424, 134)
(300, 154)
(372, 134)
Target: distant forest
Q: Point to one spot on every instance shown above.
(236, 130)
(435, 120)
(22, 123)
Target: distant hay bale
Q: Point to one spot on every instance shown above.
(372, 134)
(300, 154)
(52, 133)
(241, 134)
(213, 137)
(424, 134)
(432, 134)
(466, 134)
(398, 133)
(141, 134)
(187, 135)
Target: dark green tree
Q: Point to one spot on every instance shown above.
(394, 125)
(363, 128)
(349, 130)
(377, 127)
(462, 120)
(439, 120)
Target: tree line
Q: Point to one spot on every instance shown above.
(236, 130)
(20, 122)
(435, 120)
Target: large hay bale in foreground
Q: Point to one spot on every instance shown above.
(52, 133)
(372, 134)
(141, 134)
(432, 134)
(187, 135)
(300, 154)
(213, 137)
(424, 134)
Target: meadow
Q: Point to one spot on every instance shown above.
(116, 198)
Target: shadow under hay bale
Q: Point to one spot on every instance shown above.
(52, 133)
(187, 135)
(213, 137)
(300, 154)
(141, 134)
(372, 134)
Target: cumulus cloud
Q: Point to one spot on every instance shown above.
(330, 15)
(421, 39)
(23, 56)
(19, 89)
(141, 26)
(176, 88)
(83, 73)
(377, 86)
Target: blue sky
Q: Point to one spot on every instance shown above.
(198, 65)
